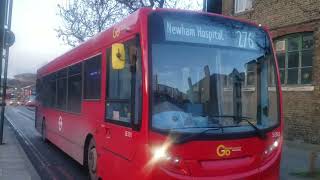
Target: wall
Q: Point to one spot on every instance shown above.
(301, 104)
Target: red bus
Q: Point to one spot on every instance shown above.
(167, 94)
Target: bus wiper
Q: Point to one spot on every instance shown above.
(259, 132)
(195, 135)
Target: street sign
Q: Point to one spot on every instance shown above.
(10, 38)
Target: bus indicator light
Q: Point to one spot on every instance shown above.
(60, 124)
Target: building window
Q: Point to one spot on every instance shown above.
(92, 78)
(251, 73)
(242, 5)
(295, 54)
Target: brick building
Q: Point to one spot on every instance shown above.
(295, 29)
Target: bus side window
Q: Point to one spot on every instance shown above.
(74, 88)
(39, 90)
(122, 106)
(49, 91)
(92, 78)
(61, 102)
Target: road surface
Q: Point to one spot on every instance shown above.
(49, 161)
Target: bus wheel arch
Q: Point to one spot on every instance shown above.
(85, 152)
(90, 157)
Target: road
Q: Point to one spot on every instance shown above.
(49, 161)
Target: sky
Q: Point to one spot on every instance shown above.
(33, 22)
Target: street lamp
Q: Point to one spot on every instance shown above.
(7, 39)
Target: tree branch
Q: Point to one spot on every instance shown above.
(82, 19)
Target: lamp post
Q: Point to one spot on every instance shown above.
(3, 8)
(7, 39)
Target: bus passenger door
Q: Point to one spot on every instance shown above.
(123, 106)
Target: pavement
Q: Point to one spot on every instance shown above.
(14, 163)
(295, 159)
(49, 161)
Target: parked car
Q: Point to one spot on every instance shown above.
(31, 102)
(14, 102)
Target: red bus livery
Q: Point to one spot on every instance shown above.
(167, 94)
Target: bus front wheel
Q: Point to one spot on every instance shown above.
(92, 158)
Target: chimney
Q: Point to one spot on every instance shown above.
(212, 6)
(206, 71)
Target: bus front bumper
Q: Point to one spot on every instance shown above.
(269, 171)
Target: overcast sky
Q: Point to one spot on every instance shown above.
(33, 22)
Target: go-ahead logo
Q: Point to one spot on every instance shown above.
(222, 150)
(116, 32)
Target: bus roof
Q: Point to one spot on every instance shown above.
(93, 46)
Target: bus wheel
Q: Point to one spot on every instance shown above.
(44, 131)
(92, 158)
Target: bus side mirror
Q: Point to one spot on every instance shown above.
(118, 56)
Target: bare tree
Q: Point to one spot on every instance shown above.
(82, 19)
(184, 4)
(134, 5)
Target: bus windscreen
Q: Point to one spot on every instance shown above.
(210, 72)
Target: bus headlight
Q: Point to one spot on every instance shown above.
(272, 147)
(160, 153)
(162, 158)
